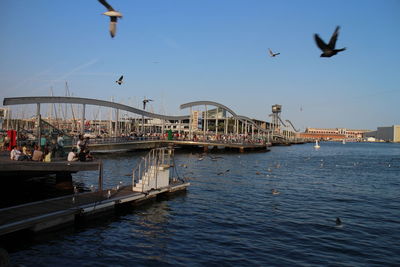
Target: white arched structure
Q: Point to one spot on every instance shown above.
(237, 117)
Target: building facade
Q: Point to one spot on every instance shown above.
(333, 133)
(388, 134)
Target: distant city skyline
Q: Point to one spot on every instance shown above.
(182, 51)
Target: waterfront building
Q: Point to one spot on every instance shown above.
(4, 117)
(335, 134)
(388, 133)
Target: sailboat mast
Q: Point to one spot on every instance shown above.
(51, 107)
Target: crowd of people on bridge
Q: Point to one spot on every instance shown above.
(45, 149)
(49, 148)
(169, 135)
(80, 151)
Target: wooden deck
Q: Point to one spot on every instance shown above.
(40, 215)
(14, 168)
(60, 166)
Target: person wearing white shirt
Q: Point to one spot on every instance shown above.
(15, 153)
(72, 155)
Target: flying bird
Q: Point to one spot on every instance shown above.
(119, 81)
(272, 54)
(114, 15)
(145, 101)
(329, 50)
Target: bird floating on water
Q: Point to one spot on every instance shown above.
(329, 50)
(338, 221)
(215, 158)
(220, 173)
(120, 80)
(275, 192)
(113, 14)
(272, 54)
(119, 185)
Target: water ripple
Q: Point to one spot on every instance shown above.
(233, 219)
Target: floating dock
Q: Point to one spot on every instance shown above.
(150, 178)
(67, 210)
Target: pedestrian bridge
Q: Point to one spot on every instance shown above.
(124, 144)
(242, 124)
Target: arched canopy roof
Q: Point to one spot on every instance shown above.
(211, 103)
(86, 101)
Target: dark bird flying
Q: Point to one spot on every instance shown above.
(272, 54)
(113, 14)
(145, 101)
(329, 50)
(119, 81)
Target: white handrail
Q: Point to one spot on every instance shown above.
(149, 166)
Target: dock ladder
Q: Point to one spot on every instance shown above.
(153, 170)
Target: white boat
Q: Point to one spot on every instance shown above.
(316, 144)
(343, 142)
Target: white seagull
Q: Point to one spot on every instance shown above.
(114, 15)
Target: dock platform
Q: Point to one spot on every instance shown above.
(46, 214)
(15, 168)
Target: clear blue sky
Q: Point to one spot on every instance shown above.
(211, 50)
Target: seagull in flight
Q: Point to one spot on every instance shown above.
(119, 81)
(272, 54)
(145, 101)
(329, 50)
(114, 15)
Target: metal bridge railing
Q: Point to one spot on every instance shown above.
(122, 139)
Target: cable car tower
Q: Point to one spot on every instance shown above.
(276, 119)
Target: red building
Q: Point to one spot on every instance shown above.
(333, 133)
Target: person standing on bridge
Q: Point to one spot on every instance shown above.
(80, 144)
(86, 142)
(43, 142)
(60, 143)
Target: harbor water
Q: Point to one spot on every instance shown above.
(230, 217)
